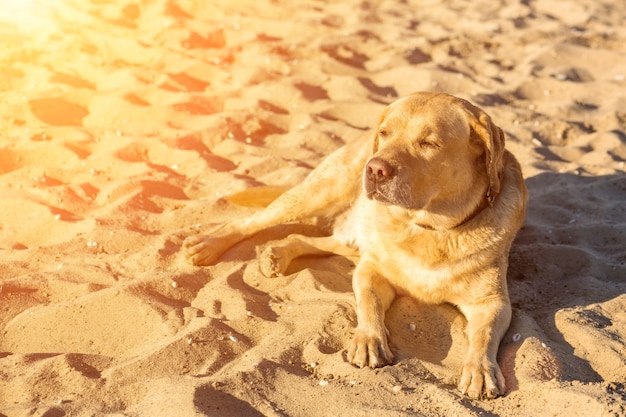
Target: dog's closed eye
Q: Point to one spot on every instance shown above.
(425, 144)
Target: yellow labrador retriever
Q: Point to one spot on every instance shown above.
(431, 205)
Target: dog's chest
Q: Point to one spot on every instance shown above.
(431, 266)
(434, 266)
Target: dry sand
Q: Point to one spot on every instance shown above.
(124, 124)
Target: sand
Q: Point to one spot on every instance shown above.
(125, 125)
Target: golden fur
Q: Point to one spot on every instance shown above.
(430, 205)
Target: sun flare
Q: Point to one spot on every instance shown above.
(27, 15)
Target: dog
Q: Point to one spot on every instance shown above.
(430, 202)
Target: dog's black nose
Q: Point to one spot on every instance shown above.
(378, 170)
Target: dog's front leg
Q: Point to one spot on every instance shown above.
(487, 322)
(374, 295)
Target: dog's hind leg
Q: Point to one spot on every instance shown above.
(326, 192)
(276, 257)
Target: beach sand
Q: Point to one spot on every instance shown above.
(125, 126)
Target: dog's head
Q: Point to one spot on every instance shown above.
(435, 155)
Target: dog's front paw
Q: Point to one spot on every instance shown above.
(203, 250)
(482, 379)
(369, 349)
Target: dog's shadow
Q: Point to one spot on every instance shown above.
(568, 257)
(427, 333)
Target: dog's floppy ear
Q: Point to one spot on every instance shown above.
(491, 137)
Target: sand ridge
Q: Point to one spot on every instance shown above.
(127, 124)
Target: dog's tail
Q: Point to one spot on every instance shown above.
(261, 196)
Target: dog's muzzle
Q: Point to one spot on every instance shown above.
(378, 173)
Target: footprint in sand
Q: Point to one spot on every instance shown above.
(58, 111)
